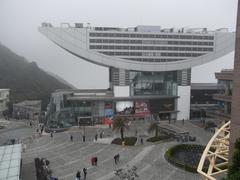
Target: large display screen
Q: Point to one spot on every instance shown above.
(123, 105)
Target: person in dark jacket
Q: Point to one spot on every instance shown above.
(85, 173)
(78, 175)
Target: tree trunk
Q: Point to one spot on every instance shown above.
(121, 131)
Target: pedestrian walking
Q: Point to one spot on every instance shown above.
(84, 173)
(183, 121)
(141, 141)
(51, 134)
(96, 136)
(118, 157)
(71, 138)
(136, 133)
(78, 175)
(96, 160)
(115, 159)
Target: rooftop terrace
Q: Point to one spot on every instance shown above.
(140, 28)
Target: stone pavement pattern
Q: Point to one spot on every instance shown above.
(67, 157)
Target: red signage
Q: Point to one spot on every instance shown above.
(141, 108)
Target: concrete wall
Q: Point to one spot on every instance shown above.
(121, 91)
(183, 102)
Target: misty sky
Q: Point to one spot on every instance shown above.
(19, 20)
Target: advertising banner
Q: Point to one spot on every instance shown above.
(108, 109)
(141, 108)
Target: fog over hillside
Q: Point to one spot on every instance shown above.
(26, 80)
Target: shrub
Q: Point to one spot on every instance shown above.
(234, 167)
(129, 141)
(170, 156)
(159, 138)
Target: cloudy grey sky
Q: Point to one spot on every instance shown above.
(19, 20)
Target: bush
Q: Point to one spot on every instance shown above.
(234, 167)
(159, 138)
(170, 156)
(129, 141)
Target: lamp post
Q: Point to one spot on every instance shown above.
(84, 133)
(84, 109)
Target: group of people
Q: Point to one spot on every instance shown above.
(39, 127)
(78, 175)
(101, 135)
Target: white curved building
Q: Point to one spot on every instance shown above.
(145, 60)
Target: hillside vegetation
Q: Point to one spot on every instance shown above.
(25, 80)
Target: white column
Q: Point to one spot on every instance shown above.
(183, 102)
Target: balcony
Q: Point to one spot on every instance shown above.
(222, 97)
(219, 115)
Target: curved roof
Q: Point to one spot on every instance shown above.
(75, 41)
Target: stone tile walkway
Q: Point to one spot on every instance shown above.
(67, 157)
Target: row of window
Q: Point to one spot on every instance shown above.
(153, 59)
(152, 54)
(126, 41)
(151, 48)
(135, 35)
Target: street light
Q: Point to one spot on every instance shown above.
(84, 109)
(84, 133)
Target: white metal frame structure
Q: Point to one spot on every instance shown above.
(216, 154)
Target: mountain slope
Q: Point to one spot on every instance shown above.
(60, 79)
(25, 80)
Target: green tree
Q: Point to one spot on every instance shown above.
(120, 124)
(153, 127)
(234, 168)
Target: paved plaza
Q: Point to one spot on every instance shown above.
(67, 157)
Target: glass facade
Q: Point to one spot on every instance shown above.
(153, 83)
